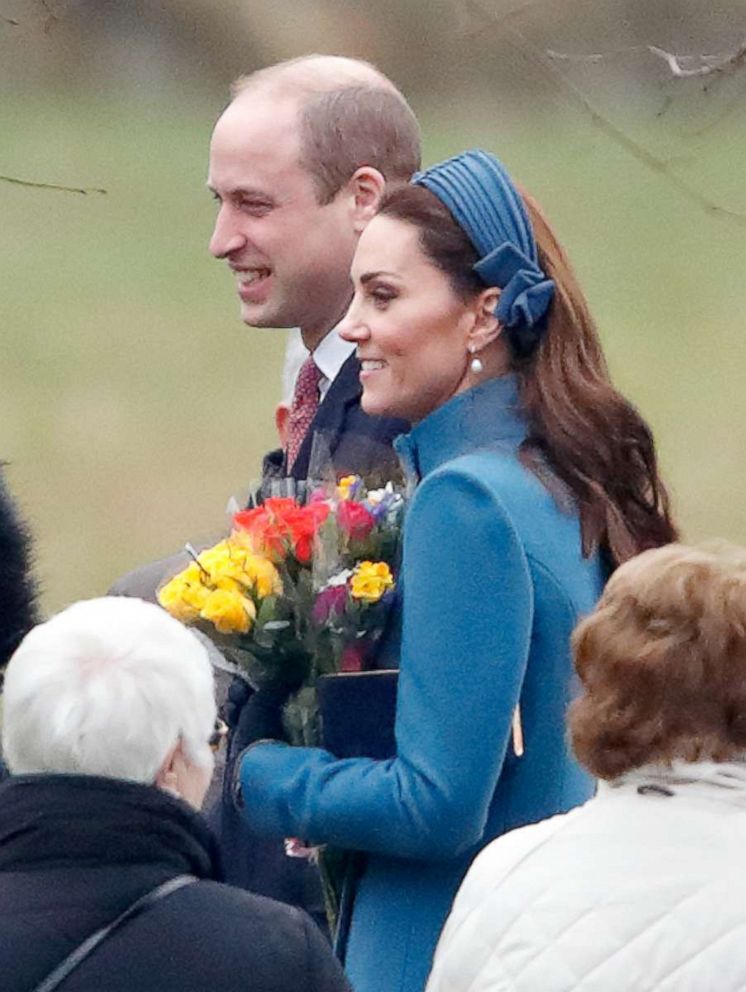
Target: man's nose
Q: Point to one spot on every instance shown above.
(226, 238)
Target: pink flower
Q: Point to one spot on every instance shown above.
(353, 659)
(355, 520)
(331, 600)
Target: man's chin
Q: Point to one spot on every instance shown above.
(261, 316)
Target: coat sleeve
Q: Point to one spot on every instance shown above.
(467, 621)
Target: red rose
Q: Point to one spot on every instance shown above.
(280, 526)
(355, 520)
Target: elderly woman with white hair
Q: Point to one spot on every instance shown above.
(109, 877)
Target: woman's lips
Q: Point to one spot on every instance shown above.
(369, 367)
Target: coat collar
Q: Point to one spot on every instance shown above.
(723, 781)
(485, 416)
(57, 820)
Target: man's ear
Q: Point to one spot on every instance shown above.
(366, 189)
(282, 418)
(166, 777)
(486, 327)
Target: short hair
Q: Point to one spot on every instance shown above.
(662, 661)
(350, 115)
(107, 687)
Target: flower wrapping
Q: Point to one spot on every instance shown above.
(297, 591)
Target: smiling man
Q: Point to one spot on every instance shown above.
(298, 163)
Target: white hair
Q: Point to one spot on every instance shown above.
(295, 355)
(107, 687)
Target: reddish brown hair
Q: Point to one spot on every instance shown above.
(591, 437)
(662, 661)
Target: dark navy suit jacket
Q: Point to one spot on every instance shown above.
(351, 442)
(343, 436)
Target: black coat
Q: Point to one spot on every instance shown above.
(17, 589)
(343, 437)
(76, 851)
(351, 442)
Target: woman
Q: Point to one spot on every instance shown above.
(109, 719)
(534, 477)
(641, 888)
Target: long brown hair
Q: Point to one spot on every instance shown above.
(591, 437)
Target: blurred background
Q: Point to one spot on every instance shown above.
(135, 403)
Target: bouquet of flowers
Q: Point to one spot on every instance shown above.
(297, 591)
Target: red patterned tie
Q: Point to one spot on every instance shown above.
(304, 407)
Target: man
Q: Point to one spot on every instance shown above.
(298, 164)
(109, 722)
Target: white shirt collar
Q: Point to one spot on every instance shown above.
(329, 356)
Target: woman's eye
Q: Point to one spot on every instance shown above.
(382, 297)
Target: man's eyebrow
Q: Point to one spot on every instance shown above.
(243, 191)
(369, 276)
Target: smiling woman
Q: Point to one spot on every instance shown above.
(411, 326)
(468, 321)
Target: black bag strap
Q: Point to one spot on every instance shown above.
(55, 978)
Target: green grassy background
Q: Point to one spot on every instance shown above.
(134, 402)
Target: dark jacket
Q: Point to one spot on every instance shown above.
(344, 437)
(76, 851)
(351, 442)
(17, 588)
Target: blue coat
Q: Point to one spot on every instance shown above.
(494, 582)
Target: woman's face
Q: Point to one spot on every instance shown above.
(410, 327)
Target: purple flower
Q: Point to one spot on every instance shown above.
(329, 601)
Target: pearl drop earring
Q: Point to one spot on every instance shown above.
(476, 364)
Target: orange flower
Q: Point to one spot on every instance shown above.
(280, 526)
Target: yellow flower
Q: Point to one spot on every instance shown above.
(345, 484)
(231, 563)
(184, 596)
(216, 558)
(370, 581)
(228, 611)
(264, 575)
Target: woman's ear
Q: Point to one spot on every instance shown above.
(366, 189)
(166, 777)
(486, 327)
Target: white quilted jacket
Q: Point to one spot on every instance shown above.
(642, 888)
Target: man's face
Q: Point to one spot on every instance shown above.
(290, 255)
